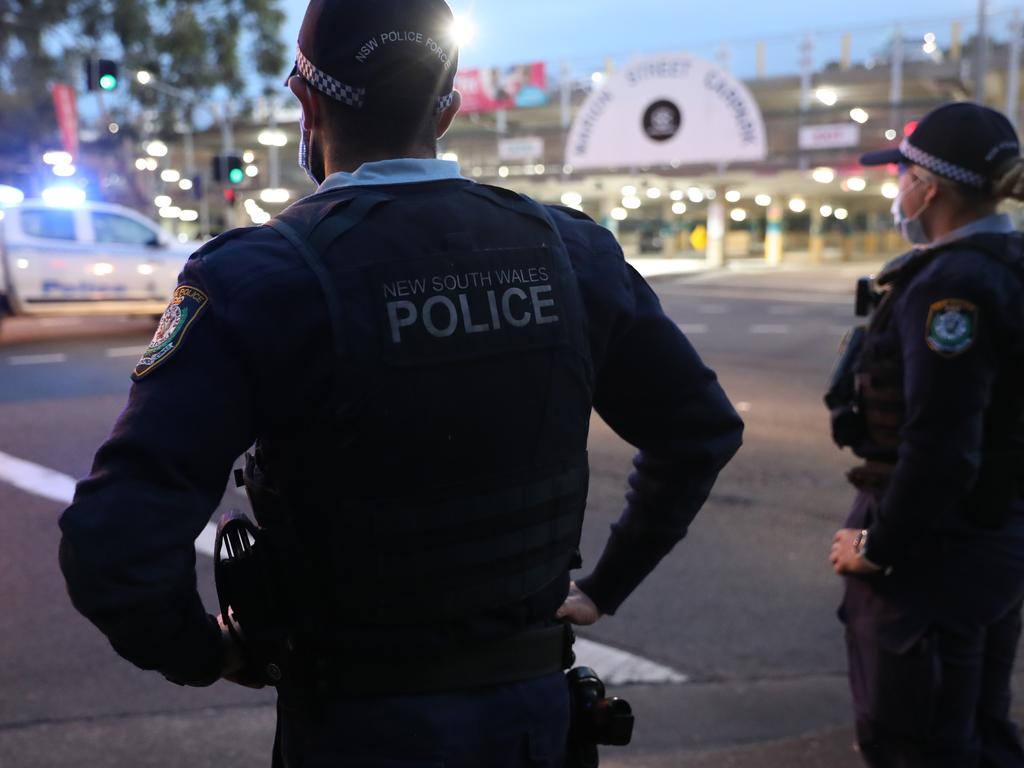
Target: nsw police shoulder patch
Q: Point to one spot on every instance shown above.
(186, 305)
(952, 327)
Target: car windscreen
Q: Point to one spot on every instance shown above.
(113, 228)
(48, 223)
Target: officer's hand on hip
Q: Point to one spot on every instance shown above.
(578, 609)
(846, 556)
(235, 662)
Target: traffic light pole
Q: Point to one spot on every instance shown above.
(223, 112)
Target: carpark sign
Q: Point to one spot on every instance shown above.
(666, 110)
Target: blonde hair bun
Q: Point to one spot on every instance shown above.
(1010, 180)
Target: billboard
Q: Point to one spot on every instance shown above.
(488, 90)
(667, 110)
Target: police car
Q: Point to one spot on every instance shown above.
(90, 259)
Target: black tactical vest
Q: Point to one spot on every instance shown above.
(448, 475)
(879, 373)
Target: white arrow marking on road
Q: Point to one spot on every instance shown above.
(37, 359)
(613, 666)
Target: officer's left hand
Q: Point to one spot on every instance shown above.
(578, 609)
(845, 558)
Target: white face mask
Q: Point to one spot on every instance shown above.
(910, 226)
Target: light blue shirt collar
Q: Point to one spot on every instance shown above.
(401, 171)
(996, 224)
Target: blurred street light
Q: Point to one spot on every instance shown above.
(272, 138)
(823, 175)
(143, 77)
(64, 171)
(859, 115)
(156, 149)
(827, 96)
(275, 196)
(58, 158)
(170, 175)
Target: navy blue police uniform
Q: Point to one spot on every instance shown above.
(416, 357)
(933, 636)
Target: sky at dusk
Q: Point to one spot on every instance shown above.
(585, 31)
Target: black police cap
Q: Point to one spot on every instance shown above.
(965, 142)
(376, 54)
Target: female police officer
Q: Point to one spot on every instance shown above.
(934, 548)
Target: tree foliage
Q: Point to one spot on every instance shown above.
(196, 45)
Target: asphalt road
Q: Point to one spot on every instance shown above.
(745, 607)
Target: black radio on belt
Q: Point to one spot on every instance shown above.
(596, 719)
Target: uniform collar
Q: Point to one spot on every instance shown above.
(996, 224)
(406, 170)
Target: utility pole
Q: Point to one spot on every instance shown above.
(981, 52)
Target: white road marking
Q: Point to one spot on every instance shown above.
(787, 310)
(616, 667)
(769, 330)
(50, 484)
(125, 352)
(613, 666)
(36, 480)
(713, 309)
(37, 359)
(693, 329)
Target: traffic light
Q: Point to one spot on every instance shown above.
(228, 169)
(230, 197)
(102, 75)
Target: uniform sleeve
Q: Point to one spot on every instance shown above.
(127, 550)
(949, 364)
(657, 394)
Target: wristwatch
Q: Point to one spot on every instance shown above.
(860, 546)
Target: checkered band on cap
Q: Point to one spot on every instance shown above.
(327, 85)
(444, 102)
(942, 167)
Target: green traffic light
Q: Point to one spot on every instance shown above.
(236, 175)
(108, 82)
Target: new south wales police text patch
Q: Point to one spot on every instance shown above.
(186, 305)
(952, 327)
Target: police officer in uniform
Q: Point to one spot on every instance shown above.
(933, 551)
(415, 357)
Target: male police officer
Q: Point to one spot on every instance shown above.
(934, 548)
(416, 357)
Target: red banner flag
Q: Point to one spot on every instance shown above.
(65, 104)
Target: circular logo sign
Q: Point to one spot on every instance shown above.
(662, 120)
